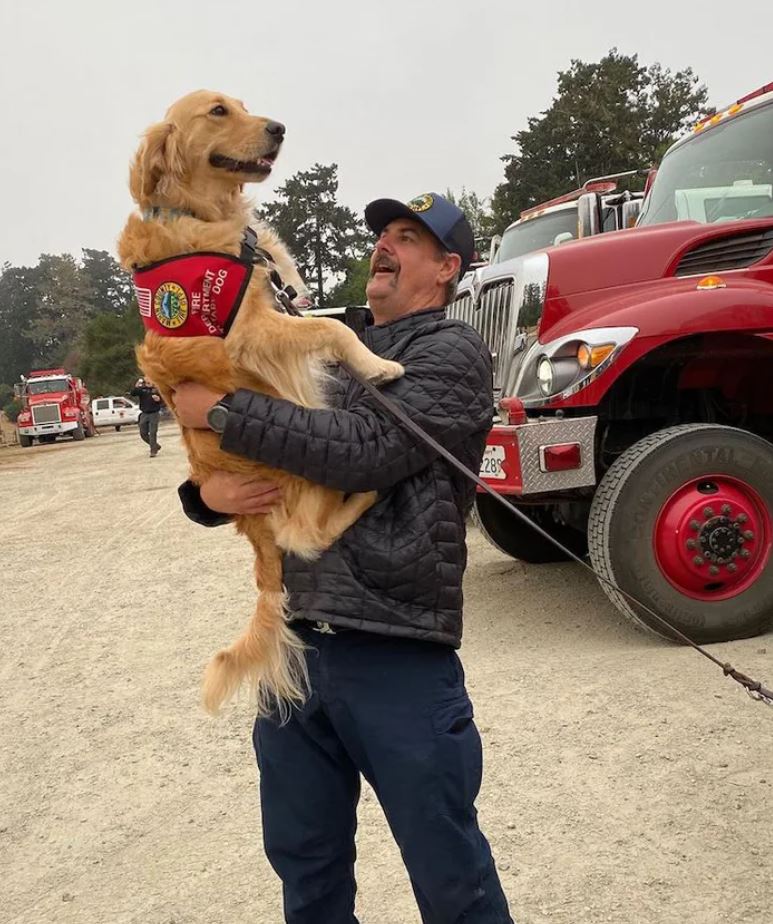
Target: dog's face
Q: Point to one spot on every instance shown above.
(205, 138)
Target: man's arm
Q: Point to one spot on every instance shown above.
(446, 390)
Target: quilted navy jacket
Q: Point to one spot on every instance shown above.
(398, 570)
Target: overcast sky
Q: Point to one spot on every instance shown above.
(406, 97)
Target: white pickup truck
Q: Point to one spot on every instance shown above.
(114, 412)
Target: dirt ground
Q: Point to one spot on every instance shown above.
(626, 780)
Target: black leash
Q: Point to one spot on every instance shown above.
(753, 687)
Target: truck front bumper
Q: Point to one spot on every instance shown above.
(48, 429)
(540, 457)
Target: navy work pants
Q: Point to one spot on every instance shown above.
(396, 711)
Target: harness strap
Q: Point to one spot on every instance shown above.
(251, 253)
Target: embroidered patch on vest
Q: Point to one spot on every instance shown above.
(170, 305)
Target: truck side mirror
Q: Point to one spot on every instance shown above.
(588, 215)
(496, 240)
(18, 391)
(631, 211)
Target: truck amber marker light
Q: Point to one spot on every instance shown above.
(591, 356)
(711, 282)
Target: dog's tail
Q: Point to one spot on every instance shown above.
(269, 655)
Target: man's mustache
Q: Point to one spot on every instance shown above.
(383, 263)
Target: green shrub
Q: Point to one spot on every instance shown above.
(12, 409)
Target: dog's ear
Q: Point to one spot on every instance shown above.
(158, 157)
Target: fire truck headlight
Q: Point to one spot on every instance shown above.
(555, 373)
(566, 365)
(545, 376)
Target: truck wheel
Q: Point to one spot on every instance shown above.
(79, 433)
(118, 429)
(683, 520)
(25, 441)
(514, 537)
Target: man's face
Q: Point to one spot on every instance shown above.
(407, 271)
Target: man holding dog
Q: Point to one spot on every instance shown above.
(381, 610)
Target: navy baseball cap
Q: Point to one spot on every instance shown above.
(445, 220)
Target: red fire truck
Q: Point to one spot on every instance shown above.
(556, 221)
(632, 376)
(54, 403)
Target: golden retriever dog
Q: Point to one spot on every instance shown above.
(187, 180)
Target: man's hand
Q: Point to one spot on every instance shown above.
(227, 492)
(191, 403)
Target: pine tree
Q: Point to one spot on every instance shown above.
(322, 235)
(608, 117)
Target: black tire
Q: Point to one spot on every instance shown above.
(516, 538)
(25, 441)
(79, 433)
(118, 429)
(622, 524)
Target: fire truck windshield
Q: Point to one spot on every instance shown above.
(537, 233)
(46, 386)
(724, 173)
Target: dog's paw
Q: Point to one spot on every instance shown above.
(385, 371)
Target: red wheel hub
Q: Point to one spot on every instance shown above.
(712, 538)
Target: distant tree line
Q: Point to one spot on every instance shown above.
(78, 314)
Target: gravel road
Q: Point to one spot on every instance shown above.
(626, 780)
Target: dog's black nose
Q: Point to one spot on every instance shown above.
(276, 129)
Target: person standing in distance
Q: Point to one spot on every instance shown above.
(150, 405)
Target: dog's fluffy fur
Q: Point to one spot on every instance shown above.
(176, 167)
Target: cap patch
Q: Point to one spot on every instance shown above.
(421, 203)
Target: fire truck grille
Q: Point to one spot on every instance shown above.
(463, 309)
(726, 253)
(45, 413)
(494, 312)
(492, 319)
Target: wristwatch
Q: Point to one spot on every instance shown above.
(218, 414)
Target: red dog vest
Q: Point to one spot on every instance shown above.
(195, 295)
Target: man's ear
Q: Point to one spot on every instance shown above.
(450, 267)
(159, 156)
